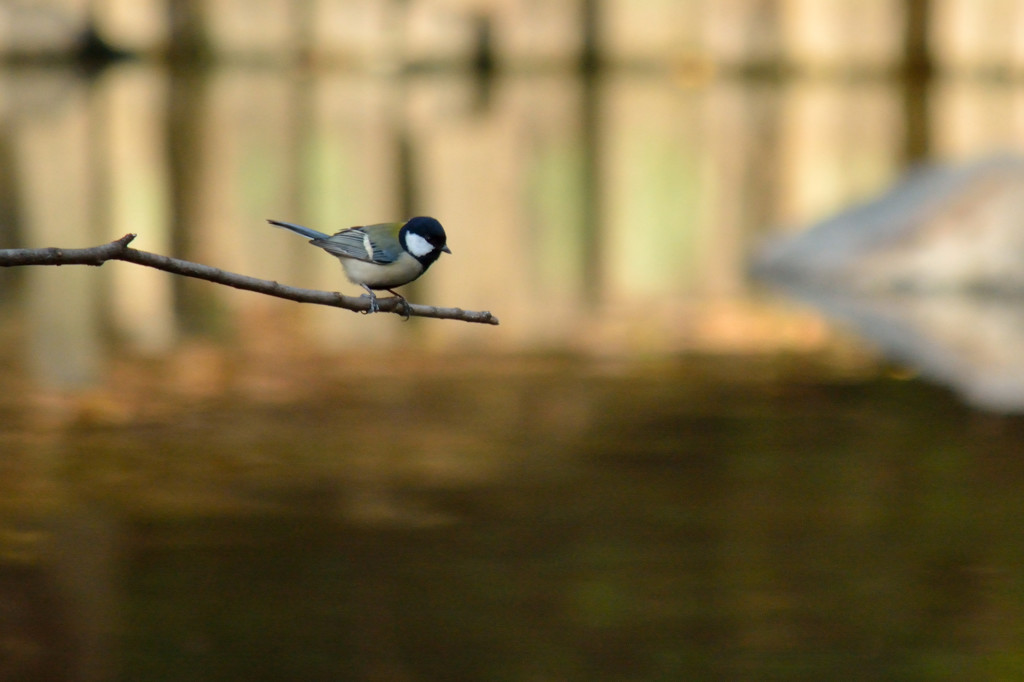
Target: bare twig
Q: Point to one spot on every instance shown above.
(118, 250)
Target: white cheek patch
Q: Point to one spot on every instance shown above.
(368, 245)
(417, 245)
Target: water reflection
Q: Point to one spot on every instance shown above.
(648, 471)
(695, 519)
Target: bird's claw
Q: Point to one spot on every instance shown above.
(406, 309)
(406, 306)
(374, 306)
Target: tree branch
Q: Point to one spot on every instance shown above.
(118, 250)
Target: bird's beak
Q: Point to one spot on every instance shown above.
(446, 249)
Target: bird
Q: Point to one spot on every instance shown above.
(383, 256)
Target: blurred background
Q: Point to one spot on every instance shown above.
(659, 467)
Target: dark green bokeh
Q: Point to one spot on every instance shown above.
(751, 531)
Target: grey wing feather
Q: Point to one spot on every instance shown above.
(352, 243)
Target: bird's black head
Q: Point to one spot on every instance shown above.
(425, 239)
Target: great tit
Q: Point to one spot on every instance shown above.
(383, 256)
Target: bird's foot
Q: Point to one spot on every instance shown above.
(374, 306)
(406, 306)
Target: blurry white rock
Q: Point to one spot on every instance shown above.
(952, 228)
(932, 274)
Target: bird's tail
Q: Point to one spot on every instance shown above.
(304, 231)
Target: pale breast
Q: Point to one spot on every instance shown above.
(402, 271)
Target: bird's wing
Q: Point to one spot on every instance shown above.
(356, 243)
